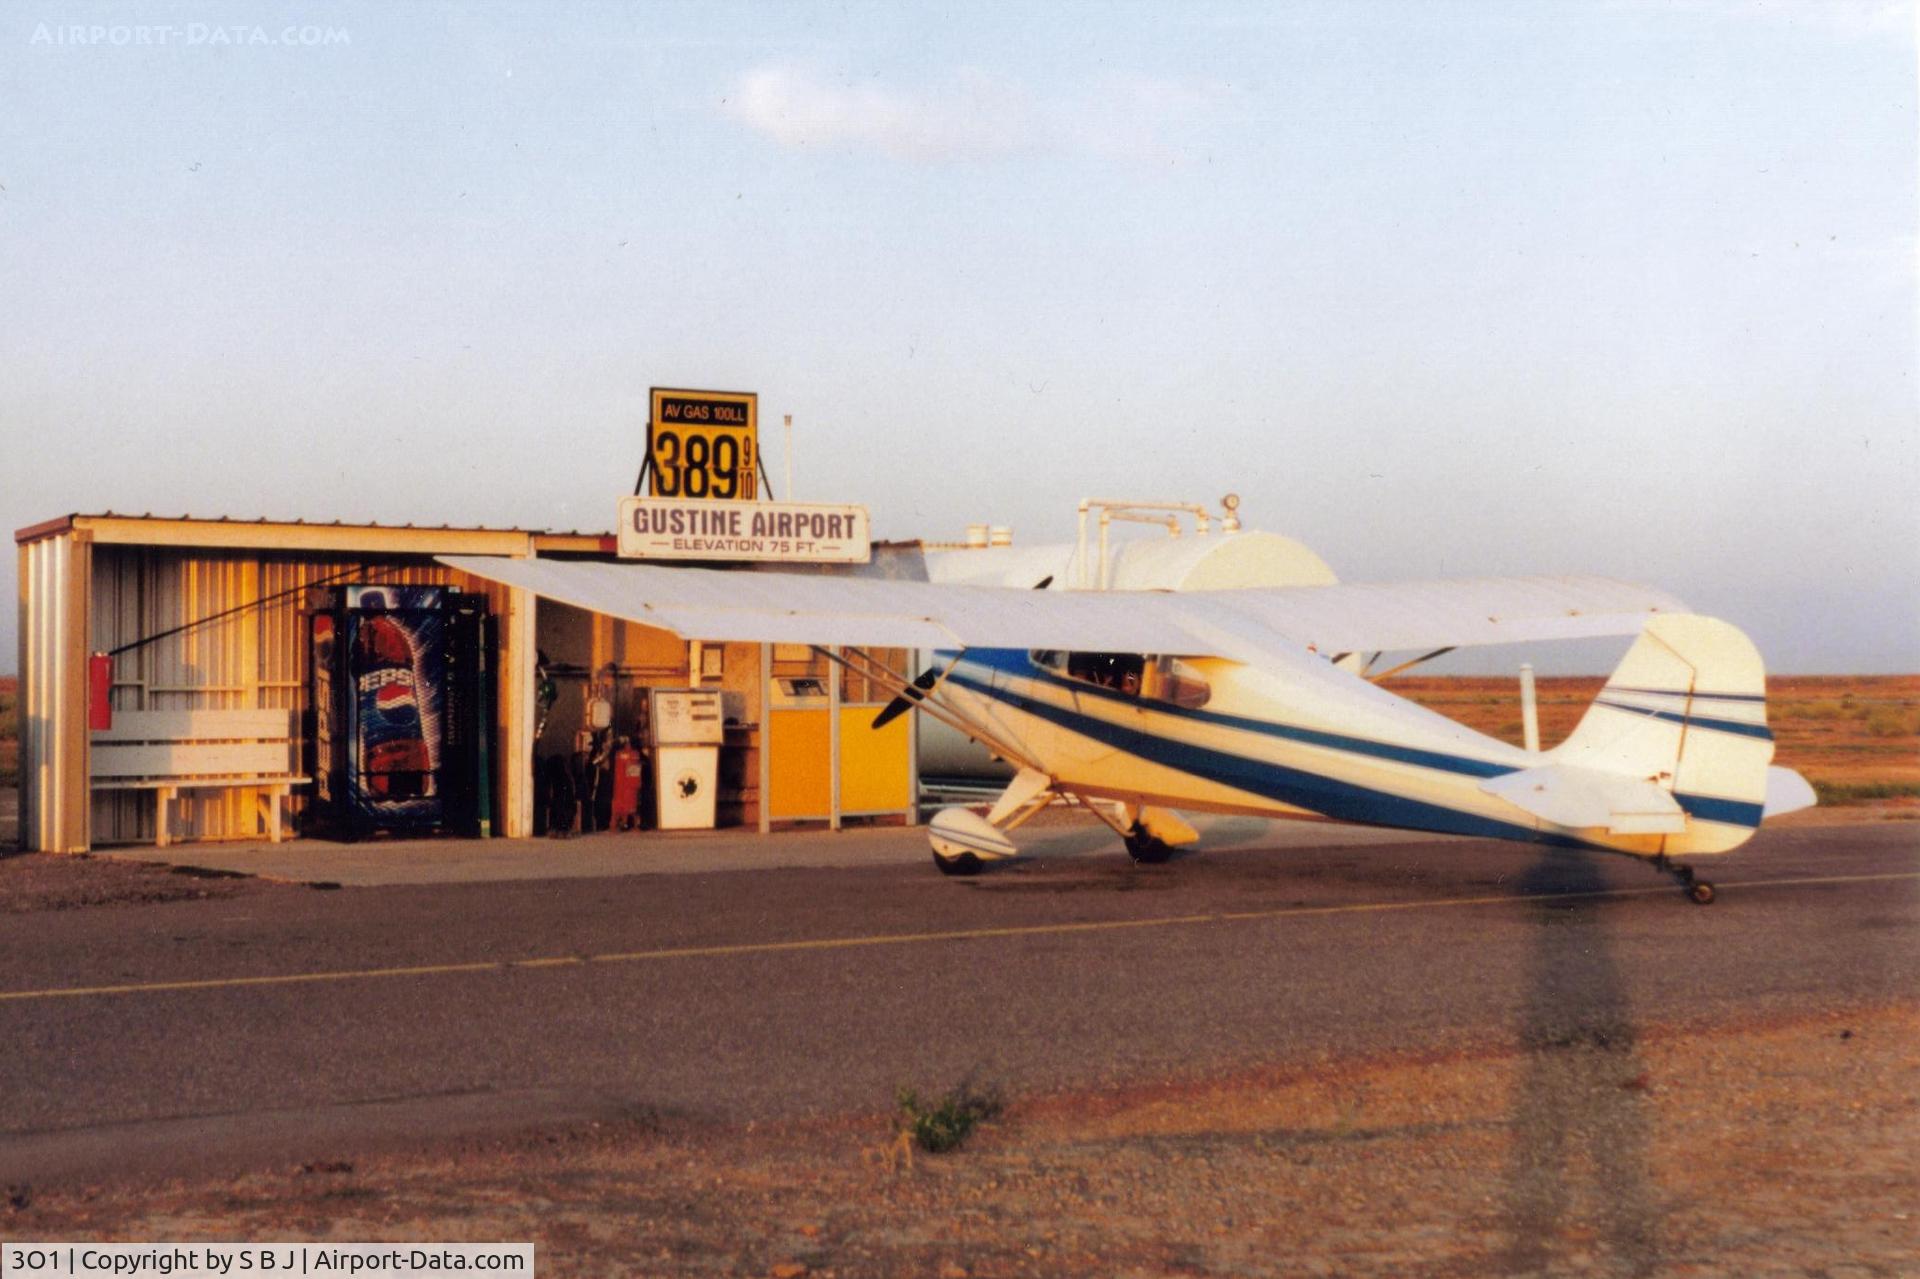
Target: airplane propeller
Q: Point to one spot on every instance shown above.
(900, 705)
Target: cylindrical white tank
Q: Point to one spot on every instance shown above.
(1222, 562)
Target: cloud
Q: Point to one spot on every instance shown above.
(971, 115)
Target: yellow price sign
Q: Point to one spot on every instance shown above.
(704, 444)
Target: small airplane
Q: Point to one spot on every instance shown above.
(1263, 702)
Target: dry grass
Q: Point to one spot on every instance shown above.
(1855, 737)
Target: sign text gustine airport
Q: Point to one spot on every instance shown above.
(669, 528)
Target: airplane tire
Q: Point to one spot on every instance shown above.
(964, 864)
(1146, 850)
(1700, 892)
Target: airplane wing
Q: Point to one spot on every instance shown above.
(791, 608)
(1242, 625)
(1446, 612)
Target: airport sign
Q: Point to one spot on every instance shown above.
(662, 528)
(704, 444)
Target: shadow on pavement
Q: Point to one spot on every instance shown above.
(1580, 1120)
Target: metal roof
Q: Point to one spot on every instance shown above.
(62, 523)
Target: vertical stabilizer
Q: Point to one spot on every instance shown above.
(1687, 711)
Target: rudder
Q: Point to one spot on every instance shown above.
(1687, 711)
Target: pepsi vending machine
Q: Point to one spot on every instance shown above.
(400, 702)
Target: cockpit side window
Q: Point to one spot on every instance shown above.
(1177, 682)
(1160, 679)
(1121, 672)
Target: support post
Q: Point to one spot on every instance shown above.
(834, 677)
(518, 655)
(765, 754)
(1080, 577)
(1106, 523)
(24, 704)
(913, 758)
(1529, 709)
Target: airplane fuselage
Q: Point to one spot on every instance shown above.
(1311, 740)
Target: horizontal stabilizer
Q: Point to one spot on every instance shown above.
(1787, 792)
(1585, 798)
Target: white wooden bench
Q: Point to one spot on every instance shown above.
(171, 751)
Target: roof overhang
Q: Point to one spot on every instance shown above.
(299, 535)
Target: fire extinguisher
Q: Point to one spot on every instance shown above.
(629, 767)
(100, 691)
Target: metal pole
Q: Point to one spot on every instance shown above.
(1529, 709)
(765, 752)
(833, 739)
(1106, 523)
(913, 767)
(1082, 577)
(787, 418)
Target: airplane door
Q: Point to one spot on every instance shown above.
(1067, 713)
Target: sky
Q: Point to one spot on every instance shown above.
(1437, 288)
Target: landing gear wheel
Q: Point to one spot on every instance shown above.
(1698, 891)
(964, 864)
(1145, 849)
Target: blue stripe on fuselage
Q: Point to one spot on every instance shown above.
(1301, 789)
(1013, 661)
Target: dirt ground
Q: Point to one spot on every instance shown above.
(1771, 1149)
(44, 881)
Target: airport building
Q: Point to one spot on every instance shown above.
(198, 637)
(208, 679)
(207, 632)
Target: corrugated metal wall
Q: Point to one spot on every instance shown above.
(256, 657)
(53, 707)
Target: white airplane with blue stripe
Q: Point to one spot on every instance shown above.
(1143, 705)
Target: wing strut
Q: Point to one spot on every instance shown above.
(1407, 666)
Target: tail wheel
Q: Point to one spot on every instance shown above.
(1145, 849)
(964, 864)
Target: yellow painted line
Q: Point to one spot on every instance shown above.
(892, 939)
